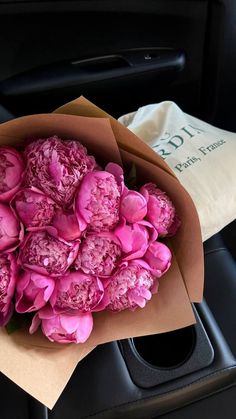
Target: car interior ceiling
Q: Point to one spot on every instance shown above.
(122, 55)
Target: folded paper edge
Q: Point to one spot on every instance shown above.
(83, 107)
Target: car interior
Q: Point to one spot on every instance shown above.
(122, 55)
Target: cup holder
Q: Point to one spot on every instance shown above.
(157, 359)
(166, 350)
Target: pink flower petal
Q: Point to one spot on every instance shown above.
(134, 239)
(130, 287)
(63, 328)
(43, 253)
(10, 229)
(133, 206)
(8, 277)
(85, 328)
(35, 324)
(77, 291)
(160, 209)
(118, 173)
(69, 323)
(98, 201)
(67, 225)
(33, 291)
(99, 254)
(57, 167)
(33, 207)
(158, 257)
(11, 172)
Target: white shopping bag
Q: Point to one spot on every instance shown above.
(203, 157)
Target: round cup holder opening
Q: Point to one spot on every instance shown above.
(166, 350)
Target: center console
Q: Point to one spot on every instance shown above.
(151, 376)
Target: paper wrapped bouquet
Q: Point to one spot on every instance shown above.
(42, 368)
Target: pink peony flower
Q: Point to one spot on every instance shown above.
(33, 291)
(8, 276)
(130, 287)
(57, 167)
(174, 226)
(160, 209)
(33, 207)
(63, 328)
(118, 174)
(67, 225)
(11, 231)
(47, 255)
(98, 201)
(98, 254)
(11, 172)
(158, 256)
(135, 238)
(133, 206)
(77, 291)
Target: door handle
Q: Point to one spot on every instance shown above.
(127, 63)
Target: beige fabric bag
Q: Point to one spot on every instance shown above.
(203, 157)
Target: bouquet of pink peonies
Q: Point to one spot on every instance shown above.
(75, 239)
(84, 243)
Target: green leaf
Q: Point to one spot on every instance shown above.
(13, 325)
(19, 321)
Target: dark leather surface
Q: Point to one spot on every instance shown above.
(212, 245)
(101, 386)
(220, 290)
(219, 406)
(158, 359)
(229, 236)
(5, 115)
(13, 400)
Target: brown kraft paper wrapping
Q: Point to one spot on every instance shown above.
(43, 368)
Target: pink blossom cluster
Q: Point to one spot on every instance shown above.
(75, 240)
